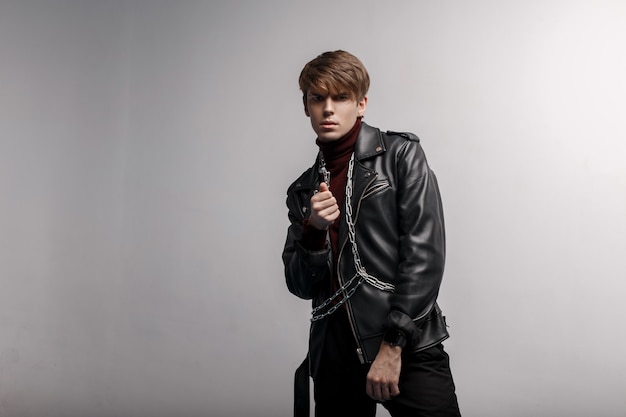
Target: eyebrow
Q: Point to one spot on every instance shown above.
(326, 93)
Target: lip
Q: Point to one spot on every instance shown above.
(328, 124)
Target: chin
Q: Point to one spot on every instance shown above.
(329, 136)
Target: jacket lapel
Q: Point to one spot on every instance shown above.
(368, 144)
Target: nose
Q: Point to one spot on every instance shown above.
(329, 109)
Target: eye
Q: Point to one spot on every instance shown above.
(315, 97)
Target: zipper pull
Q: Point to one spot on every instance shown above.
(359, 353)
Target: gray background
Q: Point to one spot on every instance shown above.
(145, 149)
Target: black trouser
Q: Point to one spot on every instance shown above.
(426, 385)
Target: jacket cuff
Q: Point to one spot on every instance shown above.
(398, 321)
(313, 258)
(312, 238)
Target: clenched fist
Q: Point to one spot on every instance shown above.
(324, 208)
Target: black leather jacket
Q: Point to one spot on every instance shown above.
(400, 238)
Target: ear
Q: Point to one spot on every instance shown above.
(361, 106)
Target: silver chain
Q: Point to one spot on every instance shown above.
(361, 273)
(325, 173)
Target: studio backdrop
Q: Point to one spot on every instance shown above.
(145, 152)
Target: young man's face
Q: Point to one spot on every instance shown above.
(332, 114)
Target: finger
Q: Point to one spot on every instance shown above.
(376, 389)
(327, 209)
(328, 217)
(381, 393)
(384, 392)
(319, 205)
(323, 196)
(323, 187)
(373, 391)
(394, 390)
(327, 213)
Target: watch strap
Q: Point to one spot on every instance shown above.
(395, 337)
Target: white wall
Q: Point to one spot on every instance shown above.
(145, 149)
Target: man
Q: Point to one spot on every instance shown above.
(366, 243)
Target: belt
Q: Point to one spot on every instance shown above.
(301, 397)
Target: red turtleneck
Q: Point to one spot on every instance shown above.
(337, 155)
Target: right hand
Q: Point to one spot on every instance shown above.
(324, 208)
(384, 374)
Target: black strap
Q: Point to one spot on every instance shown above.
(301, 400)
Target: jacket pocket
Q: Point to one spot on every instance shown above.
(376, 187)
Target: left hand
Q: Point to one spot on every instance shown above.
(384, 374)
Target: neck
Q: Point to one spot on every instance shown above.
(343, 146)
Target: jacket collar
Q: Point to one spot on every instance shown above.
(369, 143)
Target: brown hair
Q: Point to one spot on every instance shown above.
(336, 71)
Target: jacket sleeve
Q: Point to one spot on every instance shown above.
(305, 269)
(421, 243)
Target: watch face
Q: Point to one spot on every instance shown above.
(394, 338)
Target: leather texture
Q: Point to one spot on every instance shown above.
(400, 235)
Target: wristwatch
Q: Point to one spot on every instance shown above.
(395, 338)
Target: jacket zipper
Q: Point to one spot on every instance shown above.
(359, 350)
